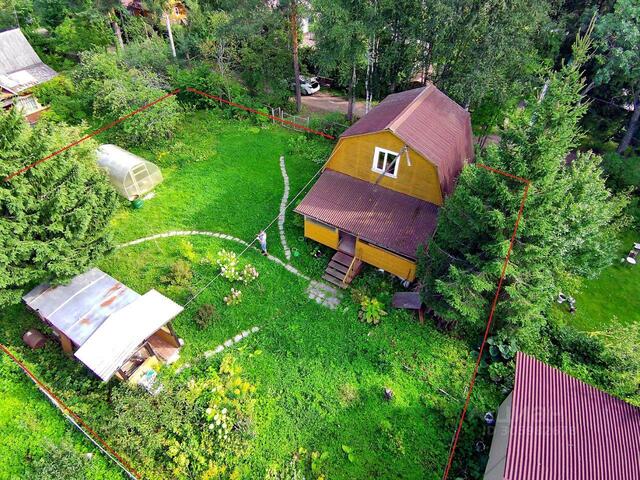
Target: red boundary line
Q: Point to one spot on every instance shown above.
(68, 410)
(258, 112)
(148, 105)
(330, 137)
(88, 136)
(456, 437)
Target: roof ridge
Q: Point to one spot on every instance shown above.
(406, 112)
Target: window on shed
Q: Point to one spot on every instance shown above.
(383, 162)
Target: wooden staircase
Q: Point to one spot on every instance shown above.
(342, 269)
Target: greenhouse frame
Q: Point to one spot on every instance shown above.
(131, 175)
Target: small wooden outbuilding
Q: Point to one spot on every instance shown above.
(20, 70)
(107, 326)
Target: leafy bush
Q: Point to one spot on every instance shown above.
(228, 263)
(60, 461)
(234, 297)
(203, 78)
(206, 314)
(371, 311)
(249, 274)
(333, 124)
(187, 251)
(179, 441)
(94, 69)
(180, 275)
(315, 149)
(60, 95)
(623, 173)
(121, 96)
(150, 54)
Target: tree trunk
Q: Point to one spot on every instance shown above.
(352, 94)
(368, 77)
(116, 29)
(632, 127)
(293, 18)
(170, 32)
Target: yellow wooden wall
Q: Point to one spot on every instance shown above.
(386, 260)
(354, 156)
(321, 233)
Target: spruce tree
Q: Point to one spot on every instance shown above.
(54, 217)
(568, 229)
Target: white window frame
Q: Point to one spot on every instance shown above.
(390, 155)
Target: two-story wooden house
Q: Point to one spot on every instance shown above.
(377, 199)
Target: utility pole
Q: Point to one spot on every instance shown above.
(293, 19)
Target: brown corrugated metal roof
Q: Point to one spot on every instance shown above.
(386, 218)
(562, 428)
(429, 122)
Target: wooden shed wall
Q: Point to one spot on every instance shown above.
(354, 156)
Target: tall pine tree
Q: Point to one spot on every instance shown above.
(53, 218)
(568, 228)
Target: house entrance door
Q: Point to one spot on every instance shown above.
(347, 243)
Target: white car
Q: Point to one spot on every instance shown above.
(308, 86)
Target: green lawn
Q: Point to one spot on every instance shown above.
(28, 421)
(320, 373)
(612, 295)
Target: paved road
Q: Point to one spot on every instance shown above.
(327, 102)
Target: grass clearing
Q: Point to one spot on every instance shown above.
(319, 373)
(612, 295)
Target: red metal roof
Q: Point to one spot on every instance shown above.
(376, 214)
(429, 122)
(564, 429)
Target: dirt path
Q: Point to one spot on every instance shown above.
(327, 102)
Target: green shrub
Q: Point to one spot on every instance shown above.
(121, 96)
(60, 95)
(94, 69)
(234, 297)
(151, 54)
(333, 124)
(371, 311)
(187, 251)
(60, 461)
(622, 173)
(203, 78)
(180, 274)
(206, 314)
(315, 149)
(190, 430)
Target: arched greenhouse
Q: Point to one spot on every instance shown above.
(131, 175)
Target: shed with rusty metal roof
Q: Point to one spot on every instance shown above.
(111, 328)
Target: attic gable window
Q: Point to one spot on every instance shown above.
(383, 162)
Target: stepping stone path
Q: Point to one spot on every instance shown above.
(283, 209)
(231, 341)
(319, 291)
(324, 294)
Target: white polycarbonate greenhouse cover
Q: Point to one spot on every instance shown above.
(131, 175)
